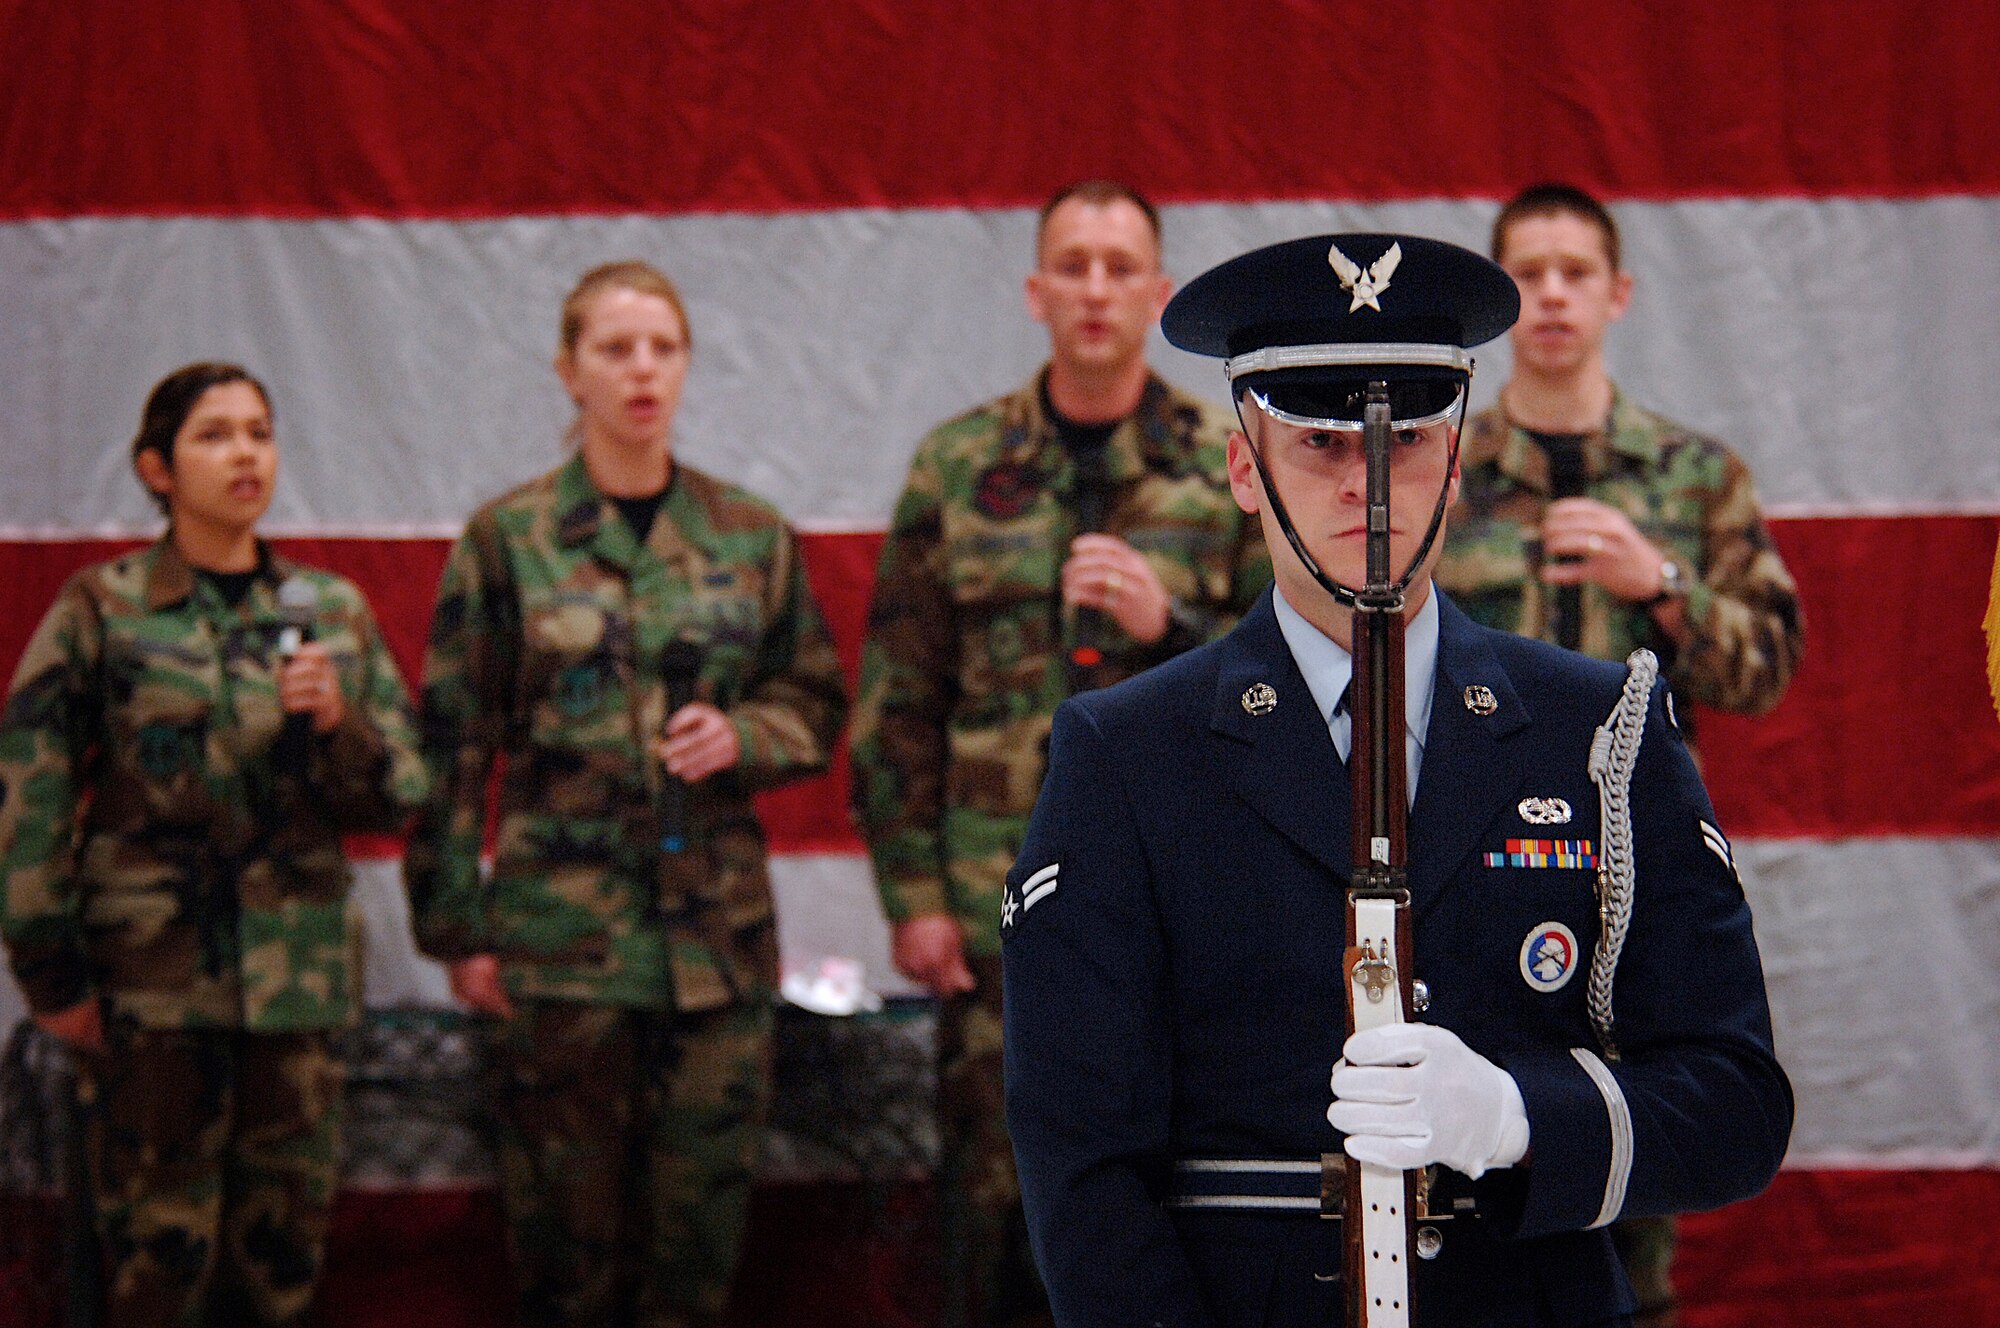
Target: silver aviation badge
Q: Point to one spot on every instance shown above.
(1365, 286)
(1544, 811)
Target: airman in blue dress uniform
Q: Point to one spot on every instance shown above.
(1591, 1034)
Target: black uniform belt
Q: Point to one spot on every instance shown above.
(1303, 1185)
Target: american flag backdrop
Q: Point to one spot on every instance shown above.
(378, 206)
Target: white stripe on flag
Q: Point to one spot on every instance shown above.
(1883, 961)
(1803, 332)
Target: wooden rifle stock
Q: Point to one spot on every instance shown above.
(1380, 1204)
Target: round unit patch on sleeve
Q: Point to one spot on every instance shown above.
(1548, 957)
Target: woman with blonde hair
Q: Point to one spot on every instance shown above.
(630, 646)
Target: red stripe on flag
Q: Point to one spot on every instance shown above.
(811, 816)
(400, 577)
(1837, 1248)
(1887, 729)
(501, 107)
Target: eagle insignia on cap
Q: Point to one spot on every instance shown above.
(1365, 286)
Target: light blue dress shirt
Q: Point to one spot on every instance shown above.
(1328, 667)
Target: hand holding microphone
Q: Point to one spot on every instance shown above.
(1585, 540)
(1108, 578)
(699, 740)
(308, 686)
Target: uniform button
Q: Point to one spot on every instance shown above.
(1420, 996)
(1429, 1241)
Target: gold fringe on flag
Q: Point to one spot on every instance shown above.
(1993, 633)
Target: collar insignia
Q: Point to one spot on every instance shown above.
(1260, 698)
(1365, 286)
(1479, 699)
(1544, 811)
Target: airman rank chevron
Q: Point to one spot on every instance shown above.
(1580, 853)
(1019, 899)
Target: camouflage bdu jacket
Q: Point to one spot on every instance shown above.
(153, 852)
(1688, 494)
(546, 653)
(968, 639)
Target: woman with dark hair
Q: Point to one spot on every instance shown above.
(633, 646)
(190, 731)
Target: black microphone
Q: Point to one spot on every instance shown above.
(680, 665)
(1091, 494)
(1566, 480)
(298, 605)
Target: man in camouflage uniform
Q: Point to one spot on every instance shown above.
(166, 859)
(1587, 520)
(997, 596)
(638, 974)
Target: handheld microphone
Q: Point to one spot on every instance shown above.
(1566, 480)
(298, 604)
(680, 665)
(1092, 496)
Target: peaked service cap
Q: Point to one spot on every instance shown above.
(1308, 322)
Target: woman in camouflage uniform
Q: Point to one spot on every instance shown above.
(192, 728)
(631, 646)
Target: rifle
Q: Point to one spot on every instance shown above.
(1380, 1203)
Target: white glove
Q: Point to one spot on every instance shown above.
(1408, 1095)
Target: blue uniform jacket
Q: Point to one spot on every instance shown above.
(1173, 986)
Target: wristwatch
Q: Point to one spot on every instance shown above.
(1673, 583)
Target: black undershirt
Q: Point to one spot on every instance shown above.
(1077, 439)
(234, 587)
(1559, 447)
(641, 512)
